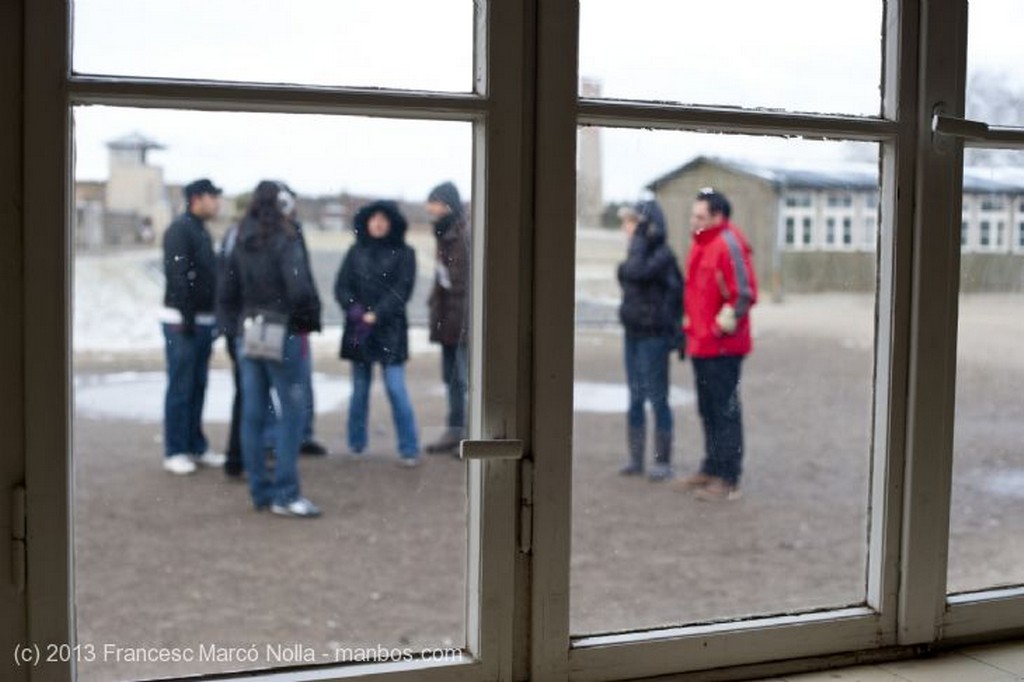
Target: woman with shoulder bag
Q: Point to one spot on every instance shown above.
(268, 289)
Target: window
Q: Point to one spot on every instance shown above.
(989, 204)
(840, 75)
(622, 459)
(798, 200)
(963, 233)
(916, 421)
(987, 456)
(1020, 235)
(870, 230)
(985, 235)
(840, 200)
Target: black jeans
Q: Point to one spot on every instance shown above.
(718, 401)
(234, 465)
(454, 372)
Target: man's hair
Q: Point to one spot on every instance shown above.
(717, 203)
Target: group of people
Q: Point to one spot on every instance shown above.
(260, 294)
(703, 315)
(258, 291)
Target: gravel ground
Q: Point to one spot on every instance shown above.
(184, 562)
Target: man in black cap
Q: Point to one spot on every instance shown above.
(189, 326)
(448, 307)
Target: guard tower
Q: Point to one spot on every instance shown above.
(135, 190)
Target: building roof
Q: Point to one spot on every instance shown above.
(134, 140)
(847, 175)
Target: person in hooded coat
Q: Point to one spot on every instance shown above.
(651, 314)
(373, 288)
(449, 308)
(268, 273)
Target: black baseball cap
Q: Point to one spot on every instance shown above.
(201, 186)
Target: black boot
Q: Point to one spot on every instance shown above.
(662, 468)
(448, 443)
(636, 441)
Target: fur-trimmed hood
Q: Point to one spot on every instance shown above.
(399, 225)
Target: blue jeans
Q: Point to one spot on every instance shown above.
(647, 377)
(401, 408)
(234, 452)
(285, 377)
(188, 366)
(718, 401)
(454, 371)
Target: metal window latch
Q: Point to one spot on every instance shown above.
(491, 449)
(954, 126)
(509, 451)
(19, 550)
(979, 134)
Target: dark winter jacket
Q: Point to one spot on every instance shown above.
(269, 274)
(449, 297)
(651, 281)
(190, 268)
(377, 275)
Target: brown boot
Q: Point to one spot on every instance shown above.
(692, 482)
(718, 490)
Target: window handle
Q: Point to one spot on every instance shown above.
(955, 126)
(979, 133)
(491, 449)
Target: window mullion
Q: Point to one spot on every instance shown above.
(294, 99)
(933, 326)
(732, 120)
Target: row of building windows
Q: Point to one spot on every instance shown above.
(991, 235)
(839, 233)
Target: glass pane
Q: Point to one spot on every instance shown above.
(995, 74)
(186, 563)
(986, 522)
(361, 43)
(782, 503)
(735, 52)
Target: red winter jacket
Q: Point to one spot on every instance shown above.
(719, 270)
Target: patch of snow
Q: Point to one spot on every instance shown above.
(1007, 483)
(139, 396)
(604, 398)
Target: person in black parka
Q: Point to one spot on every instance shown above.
(373, 287)
(651, 313)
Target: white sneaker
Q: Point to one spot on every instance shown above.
(180, 465)
(210, 459)
(298, 508)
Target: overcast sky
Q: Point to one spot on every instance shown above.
(806, 55)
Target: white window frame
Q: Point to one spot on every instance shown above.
(528, 332)
(497, 109)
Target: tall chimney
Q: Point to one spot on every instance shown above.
(589, 201)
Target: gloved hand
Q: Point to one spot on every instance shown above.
(726, 319)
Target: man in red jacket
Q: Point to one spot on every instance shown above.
(720, 289)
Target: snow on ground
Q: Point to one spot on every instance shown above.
(118, 297)
(139, 396)
(117, 301)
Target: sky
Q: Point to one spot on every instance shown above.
(803, 55)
